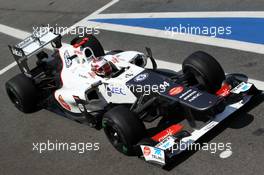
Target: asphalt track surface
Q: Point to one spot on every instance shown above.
(18, 131)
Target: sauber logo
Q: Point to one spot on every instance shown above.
(141, 77)
(176, 90)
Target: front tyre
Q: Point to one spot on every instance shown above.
(23, 93)
(205, 69)
(123, 129)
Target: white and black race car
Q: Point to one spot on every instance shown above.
(115, 91)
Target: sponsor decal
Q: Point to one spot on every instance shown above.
(166, 143)
(209, 126)
(83, 76)
(92, 74)
(242, 87)
(115, 90)
(63, 103)
(185, 93)
(176, 90)
(141, 77)
(224, 91)
(159, 155)
(164, 85)
(118, 90)
(68, 62)
(195, 97)
(246, 87)
(114, 60)
(190, 95)
(146, 151)
(167, 132)
(25, 42)
(17, 52)
(84, 40)
(128, 75)
(153, 154)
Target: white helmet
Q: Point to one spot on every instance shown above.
(101, 66)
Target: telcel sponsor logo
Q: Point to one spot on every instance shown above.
(118, 90)
(115, 90)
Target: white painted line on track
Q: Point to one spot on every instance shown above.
(20, 34)
(103, 8)
(226, 14)
(16, 33)
(13, 32)
(10, 66)
(93, 15)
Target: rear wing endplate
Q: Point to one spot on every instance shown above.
(31, 45)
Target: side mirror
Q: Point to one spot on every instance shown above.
(56, 43)
(149, 55)
(149, 52)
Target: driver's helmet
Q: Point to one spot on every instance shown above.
(101, 66)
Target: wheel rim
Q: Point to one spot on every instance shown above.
(114, 137)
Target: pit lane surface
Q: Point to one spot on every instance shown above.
(18, 131)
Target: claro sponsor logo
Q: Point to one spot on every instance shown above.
(169, 131)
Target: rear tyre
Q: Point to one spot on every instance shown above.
(23, 93)
(123, 129)
(205, 70)
(92, 42)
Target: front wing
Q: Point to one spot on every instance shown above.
(164, 151)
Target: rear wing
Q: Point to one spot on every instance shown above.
(32, 45)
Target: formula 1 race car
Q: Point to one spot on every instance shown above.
(115, 91)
